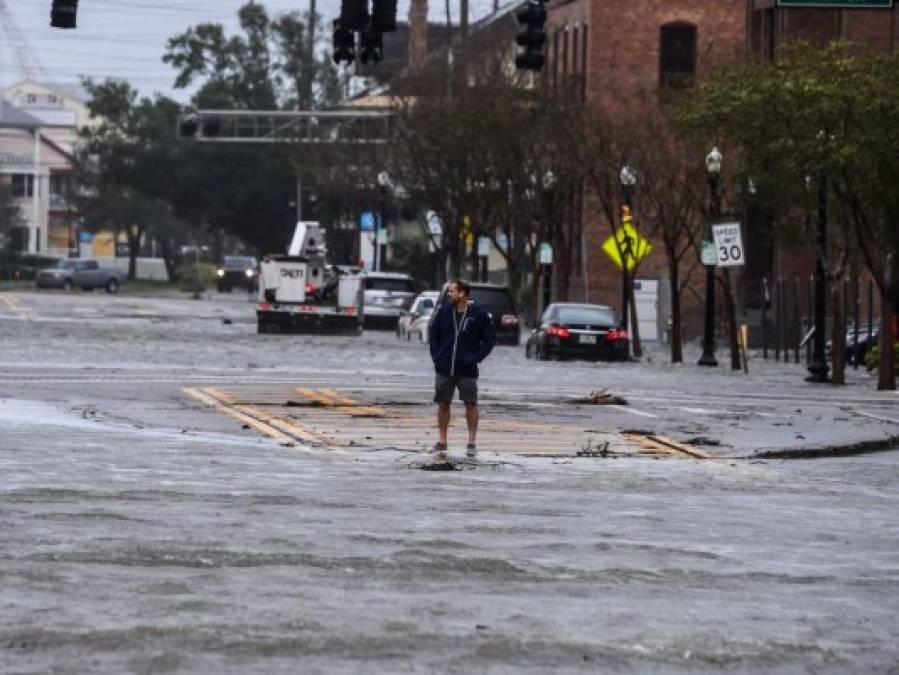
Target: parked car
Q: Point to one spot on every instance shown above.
(498, 303)
(414, 323)
(237, 271)
(570, 330)
(387, 296)
(88, 274)
(864, 344)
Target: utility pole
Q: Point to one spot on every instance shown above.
(310, 60)
(463, 21)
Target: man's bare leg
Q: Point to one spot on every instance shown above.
(443, 420)
(471, 417)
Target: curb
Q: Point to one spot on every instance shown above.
(860, 448)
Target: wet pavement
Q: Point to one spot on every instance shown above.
(146, 530)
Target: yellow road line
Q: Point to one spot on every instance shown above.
(316, 396)
(338, 397)
(344, 404)
(10, 301)
(222, 396)
(246, 419)
(271, 419)
(282, 424)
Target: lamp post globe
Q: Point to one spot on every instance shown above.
(628, 178)
(713, 163)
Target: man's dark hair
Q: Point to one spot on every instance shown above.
(463, 286)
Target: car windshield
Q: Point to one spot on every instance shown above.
(591, 316)
(239, 262)
(493, 299)
(66, 265)
(382, 284)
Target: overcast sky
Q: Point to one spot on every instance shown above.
(126, 38)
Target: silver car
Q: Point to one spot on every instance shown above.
(414, 323)
(88, 274)
(387, 296)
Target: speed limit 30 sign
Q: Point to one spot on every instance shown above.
(728, 244)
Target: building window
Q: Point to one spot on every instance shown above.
(51, 98)
(574, 45)
(584, 63)
(677, 55)
(30, 98)
(61, 184)
(22, 185)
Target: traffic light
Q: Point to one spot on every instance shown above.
(532, 36)
(353, 14)
(343, 44)
(189, 125)
(372, 47)
(383, 15)
(62, 13)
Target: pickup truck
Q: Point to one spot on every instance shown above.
(80, 272)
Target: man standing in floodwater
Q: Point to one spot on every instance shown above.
(461, 336)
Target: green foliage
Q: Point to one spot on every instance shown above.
(872, 358)
(411, 257)
(195, 276)
(23, 267)
(268, 66)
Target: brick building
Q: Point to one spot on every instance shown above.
(620, 52)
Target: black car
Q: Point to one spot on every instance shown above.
(497, 302)
(570, 330)
(237, 271)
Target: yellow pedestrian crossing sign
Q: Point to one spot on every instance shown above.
(626, 247)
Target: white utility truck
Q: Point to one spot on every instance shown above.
(301, 293)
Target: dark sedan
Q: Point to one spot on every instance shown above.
(578, 331)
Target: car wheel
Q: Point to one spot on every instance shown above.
(112, 286)
(67, 285)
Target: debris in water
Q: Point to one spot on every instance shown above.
(600, 397)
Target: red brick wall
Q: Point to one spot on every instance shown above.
(622, 68)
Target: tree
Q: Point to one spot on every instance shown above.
(11, 220)
(670, 171)
(266, 68)
(125, 163)
(831, 113)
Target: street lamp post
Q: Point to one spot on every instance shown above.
(628, 179)
(381, 221)
(549, 185)
(713, 167)
(818, 368)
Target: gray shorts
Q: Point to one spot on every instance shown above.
(444, 385)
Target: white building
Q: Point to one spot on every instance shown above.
(36, 162)
(39, 125)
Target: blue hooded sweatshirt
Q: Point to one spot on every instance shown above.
(460, 342)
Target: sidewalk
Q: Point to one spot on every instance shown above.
(769, 412)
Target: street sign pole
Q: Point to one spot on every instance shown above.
(546, 260)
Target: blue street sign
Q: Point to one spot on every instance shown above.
(366, 221)
(85, 237)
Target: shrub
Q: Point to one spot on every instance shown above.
(23, 267)
(189, 274)
(872, 358)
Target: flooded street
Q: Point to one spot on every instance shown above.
(142, 533)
